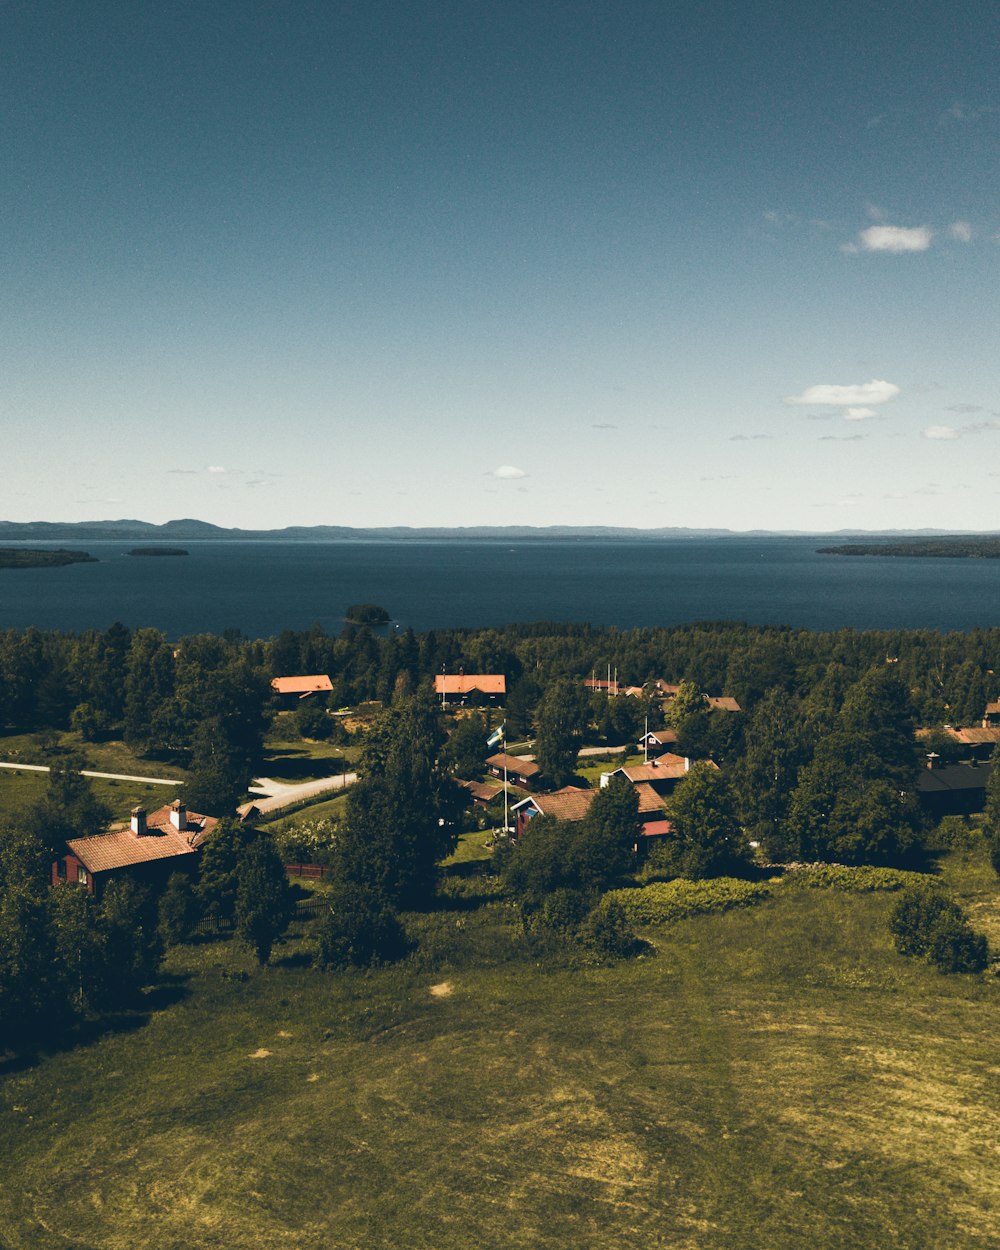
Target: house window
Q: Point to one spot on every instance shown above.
(61, 869)
(81, 875)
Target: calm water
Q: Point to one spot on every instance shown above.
(262, 588)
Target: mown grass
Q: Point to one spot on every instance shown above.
(770, 1077)
(18, 790)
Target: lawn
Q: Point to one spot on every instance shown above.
(774, 1077)
(18, 790)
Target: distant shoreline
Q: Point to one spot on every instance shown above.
(967, 547)
(11, 558)
(191, 530)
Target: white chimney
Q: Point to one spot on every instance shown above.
(139, 821)
(687, 764)
(178, 815)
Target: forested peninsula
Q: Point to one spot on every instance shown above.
(971, 547)
(14, 558)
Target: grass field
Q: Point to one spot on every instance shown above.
(776, 1077)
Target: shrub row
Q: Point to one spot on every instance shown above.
(861, 880)
(663, 902)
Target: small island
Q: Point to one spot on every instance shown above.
(968, 547)
(367, 614)
(40, 558)
(157, 551)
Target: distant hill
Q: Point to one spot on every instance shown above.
(191, 529)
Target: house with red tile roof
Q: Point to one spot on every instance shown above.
(148, 849)
(302, 687)
(661, 774)
(519, 772)
(471, 689)
(570, 804)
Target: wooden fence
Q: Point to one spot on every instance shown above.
(313, 872)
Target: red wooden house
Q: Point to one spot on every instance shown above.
(148, 849)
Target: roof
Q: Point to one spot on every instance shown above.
(666, 766)
(465, 683)
(570, 803)
(667, 687)
(655, 829)
(993, 709)
(524, 768)
(954, 777)
(724, 703)
(311, 684)
(122, 847)
(649, 800)
(663, 737)
(483, 790)
(973, 736)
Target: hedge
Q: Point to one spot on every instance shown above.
(663, 902)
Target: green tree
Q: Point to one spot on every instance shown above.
(32, 1000)
(69, 809)
(218, 863)
(562, 719)
(776, 747)
(80, 947)
(179, 910)
(600, 847)
(991, 817)
(133, 948)
(402, 816)
(706, 840)
(465, 750)
(688, 701)
(152, 721)
(219, 772)
(264, 906)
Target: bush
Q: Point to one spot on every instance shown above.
(954, 833)
(956, 947)
(360, 929)
(927, 924)
(313, 721)
(607, 931)
(664, 902)
(564, 910)
(863, 880)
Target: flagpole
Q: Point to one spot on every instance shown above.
(506, 828)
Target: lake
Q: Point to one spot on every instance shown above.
(261, 588)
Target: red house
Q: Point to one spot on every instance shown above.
(520, 772)
(149, 849)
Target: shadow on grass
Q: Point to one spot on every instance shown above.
(57, 1039)
(292, 765)
(300, 959)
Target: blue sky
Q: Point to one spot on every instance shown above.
(383, 263)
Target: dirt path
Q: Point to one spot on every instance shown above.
(87, 772)
(278, 794)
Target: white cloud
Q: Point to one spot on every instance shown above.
(858, 414)
(961, 230)
(896, 238)
(216, 468)
(508, 472)
(941, 432)
(861, 393)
